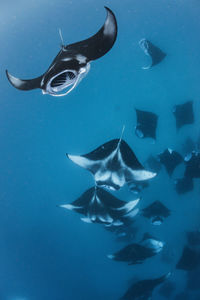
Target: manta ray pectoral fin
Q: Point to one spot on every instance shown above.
(105, 218)
(23, 84)
(110, 256)
(99, 44)
(117, 223)
(129, 206)
(86, 220)
(81, 161)
(68, 206)
(147, 67)
(132, 213)
(140, 175)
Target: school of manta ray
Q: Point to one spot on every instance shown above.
(114, 165)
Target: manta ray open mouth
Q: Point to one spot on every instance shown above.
(67, 79)
(60, 82)
(62, 79)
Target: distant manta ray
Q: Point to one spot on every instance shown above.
(136, 253)
(170, 159)
(143, 289)
(156, 212)
(113, 164)
(72, 62)
(184, 114)
(156, 54)
(146, 124)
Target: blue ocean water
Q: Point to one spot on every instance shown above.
(47, 252)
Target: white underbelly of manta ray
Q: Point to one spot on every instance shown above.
(105, 178)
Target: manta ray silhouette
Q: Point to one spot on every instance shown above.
(184, 114)
(170, 159)
(136, 253)
(156, 54)
(72, 62)
(156, 212)
(146, 124)
(143, 289)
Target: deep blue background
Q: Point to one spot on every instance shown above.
(47, 252)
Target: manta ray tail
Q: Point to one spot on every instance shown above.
(23, 84)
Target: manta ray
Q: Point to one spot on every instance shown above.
(184, 114)
(146, 124)
(136, 253)
(156, 212)
(113, 164)
(99, 206)
(143, 289)
(72, 62)
(170, 159)
(156, 54)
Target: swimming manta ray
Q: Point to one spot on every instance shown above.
(72, 62)
(143, 289)
(136, 253)
(156, 54)
(156, 212)
(170, 159)
(184, 114)
(146, 124)
(99, 206)
(113, 164)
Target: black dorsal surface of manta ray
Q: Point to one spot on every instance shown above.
(143, 289)
(146, 124)
(184, 114)
(99, 206)
(137, 253)
(184, 185)
(189, 259)
(156, 212)
(170, 159)
(156, 54)
(72, 62)
(192, 162)
(113, 164)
